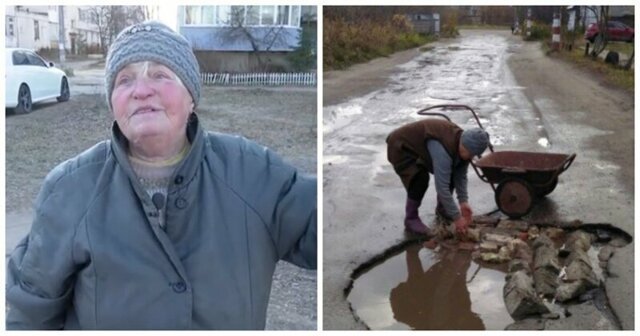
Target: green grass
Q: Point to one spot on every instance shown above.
(345, 57)
(621, 47)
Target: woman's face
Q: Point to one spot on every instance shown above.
(148, 101)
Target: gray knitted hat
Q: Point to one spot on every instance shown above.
(153, 41)
(475, 140)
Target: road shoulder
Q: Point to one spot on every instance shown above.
(360, 79)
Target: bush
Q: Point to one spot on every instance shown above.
(345, 43)
(303, 58)
(539, 32)
(450, 27)
(449, 31)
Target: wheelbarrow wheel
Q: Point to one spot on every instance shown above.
(544, 191)
(514, 197)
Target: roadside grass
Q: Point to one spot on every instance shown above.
(612, 75)
(349, 43)
(621, 47)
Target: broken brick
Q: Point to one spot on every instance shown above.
(467, 246)
(517, 225)
(485, 220)
(489, 247)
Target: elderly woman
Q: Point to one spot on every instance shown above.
(165, 226)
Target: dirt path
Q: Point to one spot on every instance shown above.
(360, 79)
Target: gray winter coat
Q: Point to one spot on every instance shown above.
(96, 257)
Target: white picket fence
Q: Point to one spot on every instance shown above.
(260, 79)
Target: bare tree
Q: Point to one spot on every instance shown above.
(110, 20)
(601, 40)
(261, 40)
(98, 18)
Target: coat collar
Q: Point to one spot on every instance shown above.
(187, 169)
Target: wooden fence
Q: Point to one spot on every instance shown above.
(260, 79)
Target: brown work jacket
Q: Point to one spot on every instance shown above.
(407, 144)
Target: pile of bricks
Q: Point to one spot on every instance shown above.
(545, 264)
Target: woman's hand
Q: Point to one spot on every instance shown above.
(465, 210)
(461, 225)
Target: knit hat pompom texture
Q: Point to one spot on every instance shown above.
(475, 140)
(153, 41)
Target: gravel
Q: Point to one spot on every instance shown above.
(54, 132)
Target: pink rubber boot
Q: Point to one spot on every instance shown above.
(412, 221)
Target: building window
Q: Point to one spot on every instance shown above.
(295, 16)
(222, 15)
(199, 15)
(252, 16)
(242, 15)
(237, 16)
(84, 15)
(36, 30)
(9, 28)
(268, 14)
(283, 15)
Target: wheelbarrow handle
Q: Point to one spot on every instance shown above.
(423, 112)
(483, 177)
(454, 106)
(567, 163)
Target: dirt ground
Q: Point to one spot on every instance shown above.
(360, 79)
(281, 119)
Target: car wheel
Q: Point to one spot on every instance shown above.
(24, 100)
(64, 91)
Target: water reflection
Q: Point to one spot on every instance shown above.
(436, 298)
(426, 290)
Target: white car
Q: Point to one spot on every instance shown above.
(29, 79)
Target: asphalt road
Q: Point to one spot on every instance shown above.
(527, 101)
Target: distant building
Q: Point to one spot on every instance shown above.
(36, 27)
(243, 38)
(425, 23)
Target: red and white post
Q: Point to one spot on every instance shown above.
(555, 39)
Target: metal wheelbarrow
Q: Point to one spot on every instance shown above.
(521, 177)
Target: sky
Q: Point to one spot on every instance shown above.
(169, 16)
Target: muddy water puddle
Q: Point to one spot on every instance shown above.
(443, 285)
(424, 289)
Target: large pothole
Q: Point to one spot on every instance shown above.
(505, 275)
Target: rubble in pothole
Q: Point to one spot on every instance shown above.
(550, 269)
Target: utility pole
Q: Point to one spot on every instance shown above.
(61, 33)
